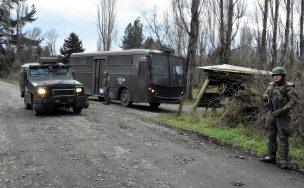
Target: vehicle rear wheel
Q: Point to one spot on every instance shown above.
(38, 109)
(125, 98)
(27, 105)
(154, 105)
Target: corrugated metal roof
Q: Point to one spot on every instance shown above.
(233, 69)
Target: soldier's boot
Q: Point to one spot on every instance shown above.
(268, 159)
(284, 151)
(272, 149)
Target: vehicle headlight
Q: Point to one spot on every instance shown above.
(41, 91)
(78, 90)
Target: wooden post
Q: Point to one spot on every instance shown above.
(198, 98)
(180, 107)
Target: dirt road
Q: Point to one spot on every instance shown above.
(114, 146)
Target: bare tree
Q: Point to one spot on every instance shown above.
(34, 33)
(229, 19)
(160, 30)
(105, 24)
(51, 37)
(177, 36)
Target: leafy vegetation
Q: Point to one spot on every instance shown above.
(247, 138)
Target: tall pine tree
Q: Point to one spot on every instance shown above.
(133, 37)
(71, 45)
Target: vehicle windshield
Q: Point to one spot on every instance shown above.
(50, 73)
(61, 72)
(167, 70)
(39, 72)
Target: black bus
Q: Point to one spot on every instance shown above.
(137, 75)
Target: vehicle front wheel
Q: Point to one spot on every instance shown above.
(38, 109)
(125, 98)
(27, 105)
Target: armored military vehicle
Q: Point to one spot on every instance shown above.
(49, 84)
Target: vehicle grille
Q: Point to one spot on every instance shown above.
(63, 92)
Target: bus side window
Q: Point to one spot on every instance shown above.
(142, 69)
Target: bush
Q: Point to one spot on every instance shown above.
(246, 107)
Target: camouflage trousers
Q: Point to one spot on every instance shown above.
(278, 127)
(106, 96)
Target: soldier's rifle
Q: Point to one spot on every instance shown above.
(273, 107)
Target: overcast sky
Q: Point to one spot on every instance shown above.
(80, 16)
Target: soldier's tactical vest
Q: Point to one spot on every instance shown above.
(279, 93)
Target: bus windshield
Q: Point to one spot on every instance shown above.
(167, 70)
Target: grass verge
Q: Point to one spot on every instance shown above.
(245, 138)
(15, 82)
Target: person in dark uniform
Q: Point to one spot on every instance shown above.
(281, 98)
(106, 87)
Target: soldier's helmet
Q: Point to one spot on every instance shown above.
(105, 73)
(278, 71)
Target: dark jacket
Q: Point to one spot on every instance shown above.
(281, 97)
(106, 84)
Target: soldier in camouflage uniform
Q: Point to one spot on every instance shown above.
(281, 97)
(106, 87)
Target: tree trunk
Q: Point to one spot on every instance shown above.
(292, 35)
(192, 46)
(229, 32)
(287, 28)
(263, 53)
(274, 36)
(222, 32)
(302, 33)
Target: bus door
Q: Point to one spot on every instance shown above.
(141, 78)
(99, 67)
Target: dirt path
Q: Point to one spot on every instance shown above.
(113, 146)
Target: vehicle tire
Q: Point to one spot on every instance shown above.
(27, 106)
(76, 110)
(154, 105)
(125, 98)
(38, 109)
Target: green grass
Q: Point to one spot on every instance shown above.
(93, 97)
(241, 137)
(15, 82)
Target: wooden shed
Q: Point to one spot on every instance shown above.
(223, 81)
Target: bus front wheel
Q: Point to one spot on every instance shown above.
(125, 98)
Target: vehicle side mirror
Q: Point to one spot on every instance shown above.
(74, 74)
